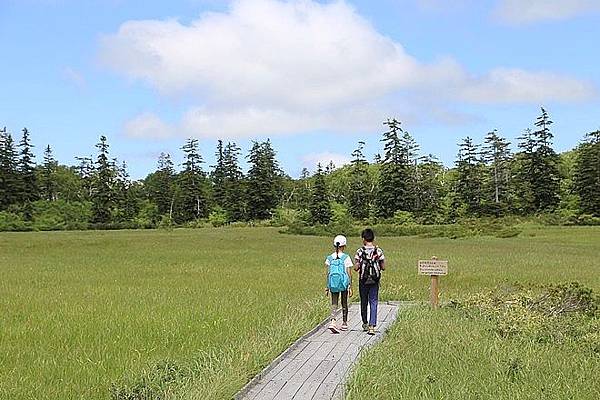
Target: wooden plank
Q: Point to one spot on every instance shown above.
(303, 374)
(319, 363)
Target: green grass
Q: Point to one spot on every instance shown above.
(445, 355)
(196, 313)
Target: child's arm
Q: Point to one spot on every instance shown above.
(326, 279)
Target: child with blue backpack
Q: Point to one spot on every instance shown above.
(339, 281)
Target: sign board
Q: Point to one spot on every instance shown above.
(433, 267)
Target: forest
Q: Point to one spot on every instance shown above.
(493, 179)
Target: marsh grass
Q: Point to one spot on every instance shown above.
(196, 313)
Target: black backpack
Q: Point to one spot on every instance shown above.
(369, 267)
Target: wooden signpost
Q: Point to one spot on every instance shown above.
(433, 268)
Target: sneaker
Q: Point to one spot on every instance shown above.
(371, 330)
(365, 327)
(344, 326)
(332, 327)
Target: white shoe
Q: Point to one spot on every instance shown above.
(344, 327)
(332, 327)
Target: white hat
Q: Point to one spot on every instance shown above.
(339, 240)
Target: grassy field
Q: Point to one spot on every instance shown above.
(196, 313)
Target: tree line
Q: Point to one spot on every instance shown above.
(494, 178)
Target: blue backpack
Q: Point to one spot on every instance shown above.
(338, 279)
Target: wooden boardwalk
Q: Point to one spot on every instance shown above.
(317, 365)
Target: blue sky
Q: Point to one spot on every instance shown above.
(315, 77)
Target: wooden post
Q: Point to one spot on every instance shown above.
(435, 291)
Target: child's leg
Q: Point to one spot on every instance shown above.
(373, 300)
(364, 301)
(334, 304)
(345, 305)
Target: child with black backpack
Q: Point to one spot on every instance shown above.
(370, 261)
(339, 281)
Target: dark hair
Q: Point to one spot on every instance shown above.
(368, 235)
(337, 250)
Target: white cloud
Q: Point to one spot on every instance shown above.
(505, 85)
(74, 76)
(269, 67)
(311, 160)
(528, 11)
(148, 125)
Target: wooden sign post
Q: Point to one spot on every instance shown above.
(433, 268)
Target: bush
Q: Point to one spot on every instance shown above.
(287, 217)
(403, 218)
(587, 219)
(13, 222)
(61, 215)
(218, 217)
(547, 314)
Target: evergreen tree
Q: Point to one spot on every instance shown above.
(469, 179)
(218, 176)
(429, 188)
(9, 178)
(359, 194)
(411, 153)
(126, 200)
(161, 186)
(320, 208)
(26, 168)
(102, 184)
(86, 171)
(545, 180)
(192, 184)
(523, 169)
(496, 155)
(48, 184)
(264, 181)
(234, 199)
(587, 174)
(393, 193)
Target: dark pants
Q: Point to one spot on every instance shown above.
(334, 304)
(368, 296)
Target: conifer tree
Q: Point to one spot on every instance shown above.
(320, 208)
(163, 193)
(264, 181)
(9, 178)
(191, 184)
(496, 155)
(26, 168)
(86, 171)
(359, 186)
(469, 179)
(523, 169)
(429, 188)
(48, 184)
(218, 176)
(587, 174)
(411, 153)
(234, 199)
(545, 178)
(392, 194)
(102, 184)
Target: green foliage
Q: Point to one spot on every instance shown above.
(61, 215)
(587, 174)
(264, 182)
(393, 193)
(320, 208)
(218, 217)
(547, 314)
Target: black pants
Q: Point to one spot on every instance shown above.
(334, 304)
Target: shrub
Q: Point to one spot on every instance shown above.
(13, 222)
(218, 217)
